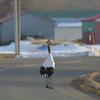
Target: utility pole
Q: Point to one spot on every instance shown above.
(18, 26)
(15, 27)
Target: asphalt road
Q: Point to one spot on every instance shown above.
(20, 79)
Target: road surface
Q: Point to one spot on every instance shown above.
(20, 79)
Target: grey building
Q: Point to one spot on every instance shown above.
(31, 25)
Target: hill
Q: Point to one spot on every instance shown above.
(7, 5)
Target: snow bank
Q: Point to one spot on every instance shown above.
(29, 38)
(29, 50)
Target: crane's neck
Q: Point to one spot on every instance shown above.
(49, 49)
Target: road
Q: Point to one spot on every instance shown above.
(20, 79)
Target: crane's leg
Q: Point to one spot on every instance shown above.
(50, 82)
(47, 86)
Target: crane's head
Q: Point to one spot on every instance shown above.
(48, 42)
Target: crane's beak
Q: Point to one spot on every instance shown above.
(48, 42)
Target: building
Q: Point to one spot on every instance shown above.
(68, 28)
(31, 25)
(92, 22)
(66, 13)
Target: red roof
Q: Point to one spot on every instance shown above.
(9, 17)
(92, 18)
(12, 15)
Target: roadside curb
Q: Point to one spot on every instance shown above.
(89, 80)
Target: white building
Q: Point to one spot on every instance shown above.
(68, 28)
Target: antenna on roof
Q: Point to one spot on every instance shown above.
(48, 15)
(77, 16)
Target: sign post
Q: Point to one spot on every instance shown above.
(90, 37)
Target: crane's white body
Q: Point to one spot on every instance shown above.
(49, 62)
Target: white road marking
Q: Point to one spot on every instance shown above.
(32, 65)
(71, 62)
(2, 70)
(83, 75)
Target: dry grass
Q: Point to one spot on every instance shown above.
(3, 57)
(77, 42)
(53, 42)
(79, 83)
(43, 41)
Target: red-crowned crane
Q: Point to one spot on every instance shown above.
(48, 66)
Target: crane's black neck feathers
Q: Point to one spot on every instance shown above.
(49, 43)
(49, 49)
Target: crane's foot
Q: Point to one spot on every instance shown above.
(48, 87)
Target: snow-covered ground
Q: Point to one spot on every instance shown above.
(29, 50)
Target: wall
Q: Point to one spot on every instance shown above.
(8, 30)
(87, 24)
(68, 33)
(85, 31)
(30, 25)
(85, 37)
(97, 32)
(35, 25)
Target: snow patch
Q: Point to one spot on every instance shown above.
(29, 50)
(29, 38)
